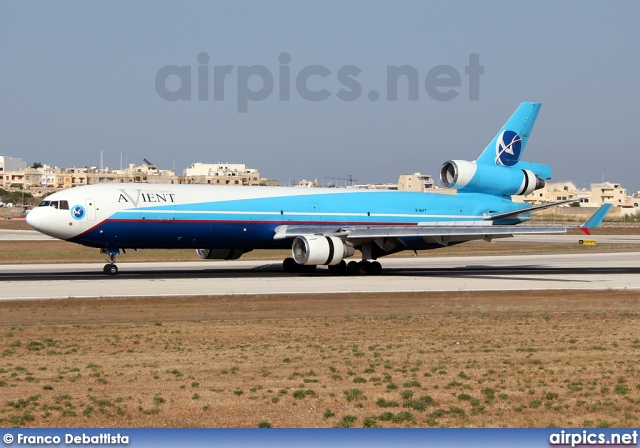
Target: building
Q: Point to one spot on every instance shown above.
(12, 164)
(415, 182)
(12, 171)
(266, 182)
(221, 174)
(146, 173)
(307, 184)
(557, 191)
(609, 193)
(15, 173)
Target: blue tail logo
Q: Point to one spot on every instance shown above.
(508, 147)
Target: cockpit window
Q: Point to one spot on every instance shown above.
(61, 205)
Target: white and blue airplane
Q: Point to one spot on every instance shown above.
(320, 226)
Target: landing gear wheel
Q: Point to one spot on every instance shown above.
(289, 265)
(363, 268)
(375, 268)
(339, 268)
(352, 268)
(110, 269)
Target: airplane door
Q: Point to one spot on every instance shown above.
(91, 209)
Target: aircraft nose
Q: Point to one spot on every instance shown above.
(34, 219)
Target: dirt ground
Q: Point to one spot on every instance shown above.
(512, 359)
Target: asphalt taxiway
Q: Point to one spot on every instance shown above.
(588, 271)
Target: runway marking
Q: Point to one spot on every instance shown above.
(595, 271)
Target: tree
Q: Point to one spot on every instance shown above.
(36, 165)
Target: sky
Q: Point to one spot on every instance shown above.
(299, 89)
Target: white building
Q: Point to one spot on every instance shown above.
(221, 173)
(415, 182)
(558, 191)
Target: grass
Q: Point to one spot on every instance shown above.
(373, 360)
(457, 361)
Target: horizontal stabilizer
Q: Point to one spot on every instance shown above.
(539, 169)
(526, 210)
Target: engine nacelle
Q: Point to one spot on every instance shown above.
(220, 254)
(497, 180)
(315, 249)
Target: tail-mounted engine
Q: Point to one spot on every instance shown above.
(315, 250)
(490, 179)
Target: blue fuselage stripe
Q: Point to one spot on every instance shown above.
(251, 223)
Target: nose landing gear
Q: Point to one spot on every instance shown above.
(111, 268)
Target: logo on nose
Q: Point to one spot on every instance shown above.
(78, 212)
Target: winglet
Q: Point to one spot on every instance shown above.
(596, 218)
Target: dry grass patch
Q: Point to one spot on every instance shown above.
(381, 360)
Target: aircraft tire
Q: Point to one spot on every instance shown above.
(339, 268)
(290, 265)
(352, 268)
(110, 269)
(363, 268)
(375, 268)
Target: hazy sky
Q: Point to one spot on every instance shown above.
(79, 77)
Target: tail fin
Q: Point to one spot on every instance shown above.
(498, 170)
(508, 145)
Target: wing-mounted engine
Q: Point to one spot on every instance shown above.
(316, 249)
(221, 254)
(490, 179)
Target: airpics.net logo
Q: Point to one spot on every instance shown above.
(255, 83)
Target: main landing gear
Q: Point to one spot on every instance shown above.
(364, 267)
(290, 265)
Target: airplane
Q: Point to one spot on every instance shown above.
(320, 226)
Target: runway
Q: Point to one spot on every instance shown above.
(461, 273)
(23, 235)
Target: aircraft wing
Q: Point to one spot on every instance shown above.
(452, 231)
(443, 232)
